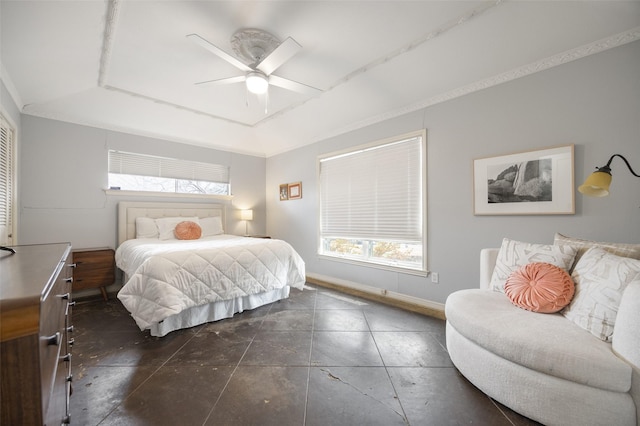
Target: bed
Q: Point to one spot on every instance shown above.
(172, 283)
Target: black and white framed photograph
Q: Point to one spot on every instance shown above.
(284, 192)
(533, 182)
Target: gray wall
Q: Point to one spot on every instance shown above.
(63, 174)
(593, 103)
(8, 106)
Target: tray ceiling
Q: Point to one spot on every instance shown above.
(128, 65)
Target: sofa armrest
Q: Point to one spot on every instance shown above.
(626, 337)
(488, 258)
(626, 334)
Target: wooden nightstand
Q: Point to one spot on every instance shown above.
(95, 268)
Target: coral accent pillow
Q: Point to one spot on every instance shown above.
(188, 230)
(540, 287)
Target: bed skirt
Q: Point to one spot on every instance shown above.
(216, 311)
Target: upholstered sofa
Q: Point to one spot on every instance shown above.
(546, 366)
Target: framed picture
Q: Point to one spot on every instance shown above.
(295, 191)
(284, 192)
(533, 182)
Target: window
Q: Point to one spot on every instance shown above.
(139, 172)
(372, 203)
(7, 181)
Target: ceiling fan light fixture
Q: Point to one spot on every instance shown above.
(257, 83)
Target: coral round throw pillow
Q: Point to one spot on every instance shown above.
(188, 230)
(540, 287)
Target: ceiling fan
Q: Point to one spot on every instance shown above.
(261, 54)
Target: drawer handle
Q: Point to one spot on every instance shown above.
(70, 329)
(72, 265)
(68, 280)
(69, 378)
(66, 358)
(72, 303)
(53, 340)
(65, 296)
(71, 342)
(66, 420)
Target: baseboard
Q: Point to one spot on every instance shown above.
(403, 301)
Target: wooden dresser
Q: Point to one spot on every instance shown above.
(35, 342)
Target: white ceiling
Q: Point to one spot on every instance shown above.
(127, 65)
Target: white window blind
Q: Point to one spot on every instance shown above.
(372, 204)
(7, 172)
(374, 193)
(128, 163)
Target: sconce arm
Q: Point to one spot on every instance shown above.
(607, 169)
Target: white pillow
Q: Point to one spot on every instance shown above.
(601, 278)
(514, 254)
(620, 249)
(146, 227)
(211, 226)
(166, 225)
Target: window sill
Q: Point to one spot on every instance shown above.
(400, 269)
(126, 193)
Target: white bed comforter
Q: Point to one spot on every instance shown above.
(167, 277)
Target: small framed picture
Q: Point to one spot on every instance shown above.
(295, 191)
(284, 192)
(533, 182)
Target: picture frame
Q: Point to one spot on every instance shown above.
(284, 192)
(525, 183)
(295, 191)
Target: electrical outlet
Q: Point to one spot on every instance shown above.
(434, 277)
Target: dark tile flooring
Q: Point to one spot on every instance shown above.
(319, 358)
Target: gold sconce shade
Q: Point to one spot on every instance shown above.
(596, 185)
(598, 182)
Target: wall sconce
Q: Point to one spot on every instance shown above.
(246, 215)
(597, 184)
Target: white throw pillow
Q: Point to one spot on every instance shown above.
(620, 249)
(211, 226)
(601, 278)
(166, 225)
(514, 254)
(146, 228)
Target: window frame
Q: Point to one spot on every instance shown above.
(146, 161)
(12, 176)
(423, 270)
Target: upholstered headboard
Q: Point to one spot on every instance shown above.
(129, 211)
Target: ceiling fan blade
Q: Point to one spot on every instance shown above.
(293, 85)
(279, 56)
(219, 52)
(238, 79)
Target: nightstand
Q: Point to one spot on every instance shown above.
(95, 268)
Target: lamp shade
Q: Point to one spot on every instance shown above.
(246, 214)
(596, 185)
(257, 83)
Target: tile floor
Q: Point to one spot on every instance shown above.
(319, 358)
